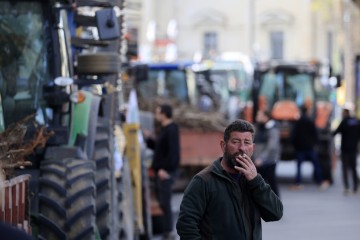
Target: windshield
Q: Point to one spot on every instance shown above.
(324, 91)
(23, 58)
(231, 82)
(282, 86)
(228, 85)
(168, 84)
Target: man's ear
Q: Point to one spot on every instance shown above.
(222, 145)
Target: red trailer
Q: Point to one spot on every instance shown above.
(14, 198)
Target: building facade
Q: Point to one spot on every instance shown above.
(299, 30)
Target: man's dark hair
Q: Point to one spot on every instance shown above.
(346, 112)
(166, 109)
(239, 126)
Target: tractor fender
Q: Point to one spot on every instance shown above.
(83, 120)
(93, 121)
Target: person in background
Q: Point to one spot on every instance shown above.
(349, 129)
(305, 138)
(165, 163)
(268, 148)
(228, 199)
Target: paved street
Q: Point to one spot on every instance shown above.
(309, 213)
(312, 214)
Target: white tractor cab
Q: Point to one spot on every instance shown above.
(167, 81)
(222, 86)
(229, 81)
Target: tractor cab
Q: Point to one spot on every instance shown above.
(227, 83)
(284, 87)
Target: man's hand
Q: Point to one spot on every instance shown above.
(258, 162)
(163, 174)
(247, 168)
(146, 133)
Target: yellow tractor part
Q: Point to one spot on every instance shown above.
(132, 152)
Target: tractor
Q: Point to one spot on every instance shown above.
(282, 88)
(205, 98)
(61, 60)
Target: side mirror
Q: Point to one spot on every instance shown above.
(107, 24)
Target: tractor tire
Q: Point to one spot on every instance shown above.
(98, 63)
(66, 200)
(146, 194)
(126, 204)
(106, 194)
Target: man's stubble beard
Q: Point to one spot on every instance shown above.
(230, 159)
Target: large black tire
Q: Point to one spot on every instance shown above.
(146, 196)
(106, 194)
(126, 204)
(66, 200)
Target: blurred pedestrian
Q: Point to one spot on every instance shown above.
(228, 199)
(304, 137)
(268, 148)
(349, 130)
(165, 163)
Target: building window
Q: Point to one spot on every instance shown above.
(277, 45)
(210, 43)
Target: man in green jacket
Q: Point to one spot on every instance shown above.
(228, 199)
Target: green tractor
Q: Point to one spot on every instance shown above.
(69, 79)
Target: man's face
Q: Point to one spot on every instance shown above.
(239, 143)
(158, 115)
